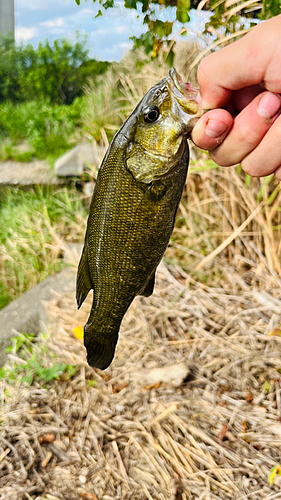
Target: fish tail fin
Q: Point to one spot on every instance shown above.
(100, 351)
(83, 282)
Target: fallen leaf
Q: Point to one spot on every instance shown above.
(245, 426)
(223, 432)
(276, 331)
(79, 332)
(85, 494)
(118, 388)
(173, 375)
(152, 386)
(249, 397)
(275, 470)
(46, 438)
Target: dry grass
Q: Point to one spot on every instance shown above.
(217, 308)
(227, 214)
(220, 206)
(112, 435)
(216, 436)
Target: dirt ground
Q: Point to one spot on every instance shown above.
(207, 427)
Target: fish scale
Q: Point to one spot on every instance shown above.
(130, 221)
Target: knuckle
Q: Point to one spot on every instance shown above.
(247, 134)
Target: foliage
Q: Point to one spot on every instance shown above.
(31, 365)
(158, 35)
(49, 130)
(54, 72)
(273, 472)
(9, 69)
(32, 222)
(226, 17)
(58, 71)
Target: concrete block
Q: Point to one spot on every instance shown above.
(29, 313)
(75, 161)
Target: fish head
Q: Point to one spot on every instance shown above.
(156, 133)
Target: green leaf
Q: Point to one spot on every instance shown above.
(273, 195)
(170, 58)
(131, 4)
(78, 2)
(182, 17)
(146, 40)
(247, 181)
(275, 7)
(266, 386)
(92, 383)
(28, 378)
(183, 6)
(108, 4)
(145, 5)
(275, 470)
(163, 29)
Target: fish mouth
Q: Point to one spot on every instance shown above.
(184, 93)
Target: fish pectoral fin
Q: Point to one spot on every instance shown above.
(83, 283)
(148, 290)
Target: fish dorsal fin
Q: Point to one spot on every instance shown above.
(83, 283)
(148, 290)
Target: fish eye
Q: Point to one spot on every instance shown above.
(151, 114)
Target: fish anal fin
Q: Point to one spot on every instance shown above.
(148, 290)
(83, 283)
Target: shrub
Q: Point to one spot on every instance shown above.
(55, 72)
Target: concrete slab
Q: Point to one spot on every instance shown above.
(29, 313)
(75, 161)
(27, 174)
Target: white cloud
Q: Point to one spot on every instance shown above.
(120, 30)
(41, 5)
(54, 23)
(125, 46)
(87, 11)
(23, 34)
(100, 32)
(115, 50)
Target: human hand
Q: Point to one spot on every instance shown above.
(244, 78)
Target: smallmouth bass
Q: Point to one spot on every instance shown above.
(133, 209)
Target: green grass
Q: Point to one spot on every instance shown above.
(47, 130)
(32, 362)
(31, 224)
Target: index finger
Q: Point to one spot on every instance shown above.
(242, 64)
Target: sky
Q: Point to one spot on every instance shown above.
(108, 35)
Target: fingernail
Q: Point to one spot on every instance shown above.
(269, 105)
(215, 128)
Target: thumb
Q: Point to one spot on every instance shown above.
(211, 129)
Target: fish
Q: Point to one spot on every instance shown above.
(133, 209)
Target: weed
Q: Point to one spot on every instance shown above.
(32, 224)
(29, 362)
(48, 130)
